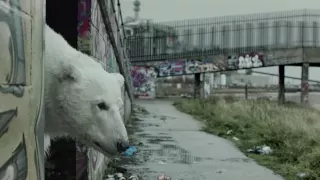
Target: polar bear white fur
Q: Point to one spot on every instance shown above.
(81, 99)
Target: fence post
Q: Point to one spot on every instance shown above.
(246, 91)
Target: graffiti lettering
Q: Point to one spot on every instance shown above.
(143, 82)
(171, 68)
(245, 61)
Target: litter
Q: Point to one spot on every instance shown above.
(130, 151)
(235, 138)
(161, 162)
(302, 175)
(119, 176)
(163, 177)
(261, 150)
(133, 177)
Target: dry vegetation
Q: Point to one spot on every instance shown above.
(292, 131)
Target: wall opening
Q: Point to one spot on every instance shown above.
(63, 161)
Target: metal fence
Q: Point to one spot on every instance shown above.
(224, 35)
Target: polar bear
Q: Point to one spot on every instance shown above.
(81, 99)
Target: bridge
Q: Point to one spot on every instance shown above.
(228, 43)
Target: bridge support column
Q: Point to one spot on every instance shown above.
(305, 84)
(281, 95)
(197, 85)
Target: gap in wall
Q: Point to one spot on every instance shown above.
(63, 161)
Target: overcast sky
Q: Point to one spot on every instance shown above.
(170, 10)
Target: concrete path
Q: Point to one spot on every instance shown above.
(174, 145)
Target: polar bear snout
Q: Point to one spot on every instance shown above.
(122, 146)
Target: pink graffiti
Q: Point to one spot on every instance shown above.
(84, 11)
(143, 79)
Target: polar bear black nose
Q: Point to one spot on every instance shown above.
(122, 146)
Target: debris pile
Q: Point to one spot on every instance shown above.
(119, 176)
(163, 177)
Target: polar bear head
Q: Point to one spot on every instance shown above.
(89, 101)
(82, 100)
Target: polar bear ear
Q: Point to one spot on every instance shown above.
(68, 73)
(119, 78)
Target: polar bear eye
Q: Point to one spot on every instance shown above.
(103, 106)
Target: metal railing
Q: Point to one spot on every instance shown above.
(224, 35)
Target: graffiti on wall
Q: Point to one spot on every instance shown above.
(84, 31)
(93, 40)
(249, 60)
(19, 151)
(170, 68)
(144, 84)
(100, 43)
(210, 64)
(143, 79)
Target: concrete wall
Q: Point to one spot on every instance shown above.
(93, 40)
(21, 80)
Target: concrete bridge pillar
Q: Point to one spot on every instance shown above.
(305, 84)
(281, 95)
(197, 85)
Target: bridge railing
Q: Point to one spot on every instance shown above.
(223, 35)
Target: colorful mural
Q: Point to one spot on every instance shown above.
(84, 31)
(210, 64)
(143, 79)
(21, 32)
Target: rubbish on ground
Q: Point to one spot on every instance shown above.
(261, 150)
(161, 162)
(119, 176)
(130, 151)
(110, 177)
(163, 177)
(134, 177)
(235, 138)
(302, 175)
(229, 132)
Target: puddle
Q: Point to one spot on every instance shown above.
(158, 152)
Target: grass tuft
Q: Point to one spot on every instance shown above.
(291, 131)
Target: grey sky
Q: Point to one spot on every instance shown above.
(170, 10)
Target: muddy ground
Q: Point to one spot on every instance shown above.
(170, 142)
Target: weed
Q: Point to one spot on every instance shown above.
(292, 131)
